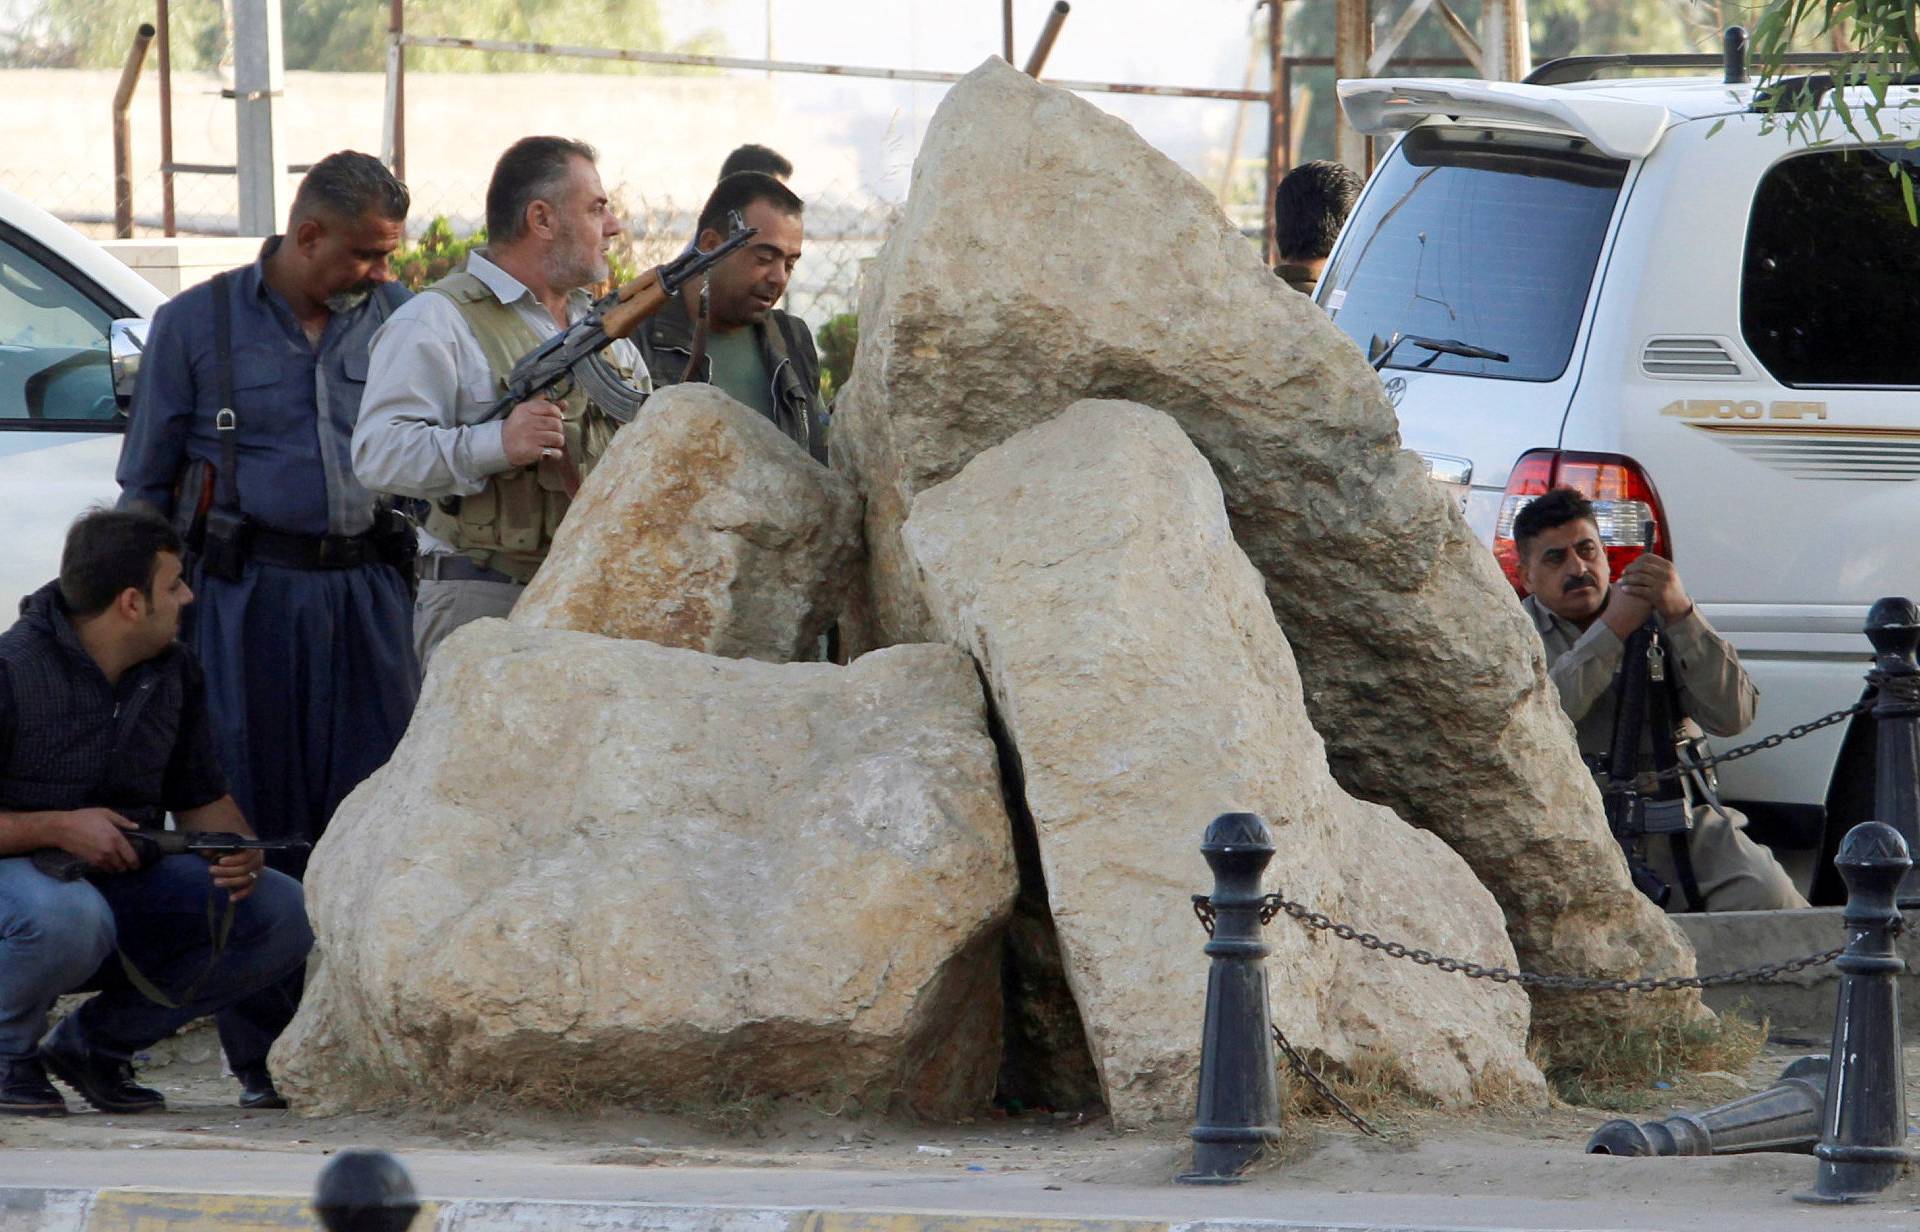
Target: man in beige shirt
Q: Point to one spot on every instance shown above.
(1584, 623)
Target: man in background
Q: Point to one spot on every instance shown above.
(1309, 208)
(759, 158)
(745, 346)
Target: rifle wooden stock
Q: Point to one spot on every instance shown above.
(639, 300)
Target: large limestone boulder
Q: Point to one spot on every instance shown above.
(1048, 254)
(1132, 654)
(609, 871)
(703, 527)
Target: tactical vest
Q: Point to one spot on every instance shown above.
(509, 524)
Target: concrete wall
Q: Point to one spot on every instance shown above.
(660, 138)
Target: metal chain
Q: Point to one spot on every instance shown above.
(1902, 688)
(1774, 741)
(1299, 1066)
(1275, 905)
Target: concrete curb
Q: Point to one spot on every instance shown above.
(24, 1209)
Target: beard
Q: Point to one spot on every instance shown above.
(349, 299)
(575, 264)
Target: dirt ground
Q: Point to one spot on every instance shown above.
(1538, 1153)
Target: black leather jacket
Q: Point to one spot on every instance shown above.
(70, 740)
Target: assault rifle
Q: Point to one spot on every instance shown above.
(1642, 691)
(150, 845)
(573, 355)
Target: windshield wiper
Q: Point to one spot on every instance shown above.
(1439, 347)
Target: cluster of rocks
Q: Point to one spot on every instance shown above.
(1092, 462)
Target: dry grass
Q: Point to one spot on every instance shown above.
(1374, 1086)
(1612, 1058)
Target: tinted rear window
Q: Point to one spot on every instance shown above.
(1832, 269)
(1489, 238)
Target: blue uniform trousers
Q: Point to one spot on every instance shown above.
(311, 679)
(58, 937)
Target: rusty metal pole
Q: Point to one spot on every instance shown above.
(1352, 48)
(165, 69)
(1049, 32)
(1006, 30)
(397, 26)
(1279, 116)
(122, 138)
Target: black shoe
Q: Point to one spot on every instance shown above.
(105, 1082)
(25, 1091)
(256, 1089)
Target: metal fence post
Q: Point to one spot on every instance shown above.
(365, 1191)
(1238, 1112)
(1893, 626)
(1784, 1117)
(1862, 1149)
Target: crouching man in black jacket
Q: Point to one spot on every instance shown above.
(104, 728)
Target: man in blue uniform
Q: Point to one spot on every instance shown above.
(103, 727)
(239, 433)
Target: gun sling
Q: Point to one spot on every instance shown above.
(1663, 712)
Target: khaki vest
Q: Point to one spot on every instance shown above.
(509, 524)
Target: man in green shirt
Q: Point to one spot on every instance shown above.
(759, 355)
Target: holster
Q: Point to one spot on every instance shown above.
(223, 545)
(192, 498)
(397, 540)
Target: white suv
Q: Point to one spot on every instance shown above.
(1635, 288)
(72, 320)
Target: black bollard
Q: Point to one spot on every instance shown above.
(1784, 1117)
(1239, 1104)
(365, 1191)
(1864, 1125)
(1893, 626)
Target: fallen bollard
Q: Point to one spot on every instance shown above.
(1239, 1104)
(365, 1191)
(1893, 626)
(1784, 1117)
(1861, 1149)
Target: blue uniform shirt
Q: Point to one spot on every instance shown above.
(295, 405)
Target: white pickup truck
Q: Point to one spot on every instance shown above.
(1641, 288)
(72, 320)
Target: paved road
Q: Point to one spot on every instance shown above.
(74, 1189)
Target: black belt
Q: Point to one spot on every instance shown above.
(274, 547)
(452, 567)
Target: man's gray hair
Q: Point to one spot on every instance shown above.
(350, 186)
(533, 169)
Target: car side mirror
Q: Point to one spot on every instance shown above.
(126, 340)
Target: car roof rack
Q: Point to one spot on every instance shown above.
(1792, 93)
(1732, 61)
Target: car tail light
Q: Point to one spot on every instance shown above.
(1623, 503)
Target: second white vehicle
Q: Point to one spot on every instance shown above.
(72, 319)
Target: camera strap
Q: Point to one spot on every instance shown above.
(226, 425)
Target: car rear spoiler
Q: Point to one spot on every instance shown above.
(1620, 128)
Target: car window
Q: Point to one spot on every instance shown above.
(53, 346)
(1831, 268)
(1482, 236)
